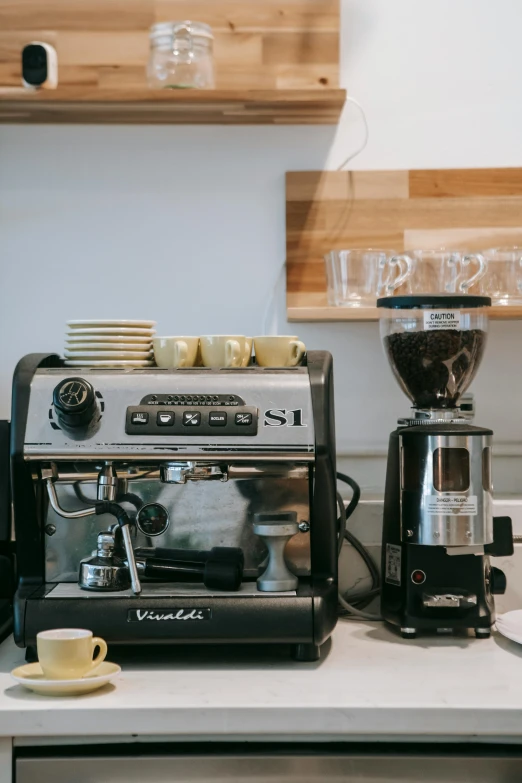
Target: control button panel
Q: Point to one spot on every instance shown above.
(194, 400)
(216, 421)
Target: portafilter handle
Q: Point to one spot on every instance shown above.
(276, 530)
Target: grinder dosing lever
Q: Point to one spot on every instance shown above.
(276, 530)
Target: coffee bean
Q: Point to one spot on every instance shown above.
(435, 367)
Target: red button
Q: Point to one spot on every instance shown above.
(418, 577)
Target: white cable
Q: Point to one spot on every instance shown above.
(366, 134)
(357, 612)
(272, 300)
(275, 288)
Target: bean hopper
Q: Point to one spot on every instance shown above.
(438, 527)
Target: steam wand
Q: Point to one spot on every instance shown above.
(108, 507)
(107, 482)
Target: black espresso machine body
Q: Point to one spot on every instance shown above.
(198, 457)
(439, 532)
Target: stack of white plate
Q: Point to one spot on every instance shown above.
(109, 343)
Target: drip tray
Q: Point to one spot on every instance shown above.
(164, 590)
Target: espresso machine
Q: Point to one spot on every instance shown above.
(438, 527)
(194, 505)
(6, 547)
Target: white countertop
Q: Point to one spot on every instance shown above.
(370, 685)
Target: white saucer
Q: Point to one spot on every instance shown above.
(97, 355)
(86, 347)
(510, 625)
(109, 363)
(31, 676)
(101, 339)
(111, 323)
(133, 331)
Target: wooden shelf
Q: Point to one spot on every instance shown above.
(461, 209)
(354, 314)
(188, 107)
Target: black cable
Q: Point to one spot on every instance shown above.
(364, 600)
(344, 534)
(356, 490)
(341, 523)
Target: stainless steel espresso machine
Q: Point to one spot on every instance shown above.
(438, 528)
(176, 506)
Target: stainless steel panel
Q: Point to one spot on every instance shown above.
(202, 514)
(265, 390)
(166, 590)
(450, 530)
(431, 768)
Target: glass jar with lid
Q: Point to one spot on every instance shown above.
(434, 344)
(181, 56)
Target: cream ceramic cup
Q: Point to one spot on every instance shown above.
(248, 351)
(66, 653)
(172, 352)
(278, 351)
(222, 350)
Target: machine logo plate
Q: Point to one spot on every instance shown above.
(170, 615)
(282, 418)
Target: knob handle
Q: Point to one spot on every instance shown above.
(498, 581)
(276, 530)
(74, 401)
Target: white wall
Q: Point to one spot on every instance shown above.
(186, 225)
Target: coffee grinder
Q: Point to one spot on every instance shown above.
(438, 527)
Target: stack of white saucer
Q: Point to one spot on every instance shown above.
(109, 343)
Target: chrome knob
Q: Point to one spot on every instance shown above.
(74, 401)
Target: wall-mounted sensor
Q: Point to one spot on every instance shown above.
(39, 66)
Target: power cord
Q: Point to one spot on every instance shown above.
(366, 134)
(357, 607)
(271, 304)
(271, 328)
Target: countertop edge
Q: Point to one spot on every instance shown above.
(268, 723)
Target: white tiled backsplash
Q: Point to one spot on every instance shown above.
(366, 524)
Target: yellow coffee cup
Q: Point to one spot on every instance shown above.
(66, 653)
(223, 350)
(248, 351)
(278, 351)
(172, 352)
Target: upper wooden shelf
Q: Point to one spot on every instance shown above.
(190, 107)
(325, 313)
